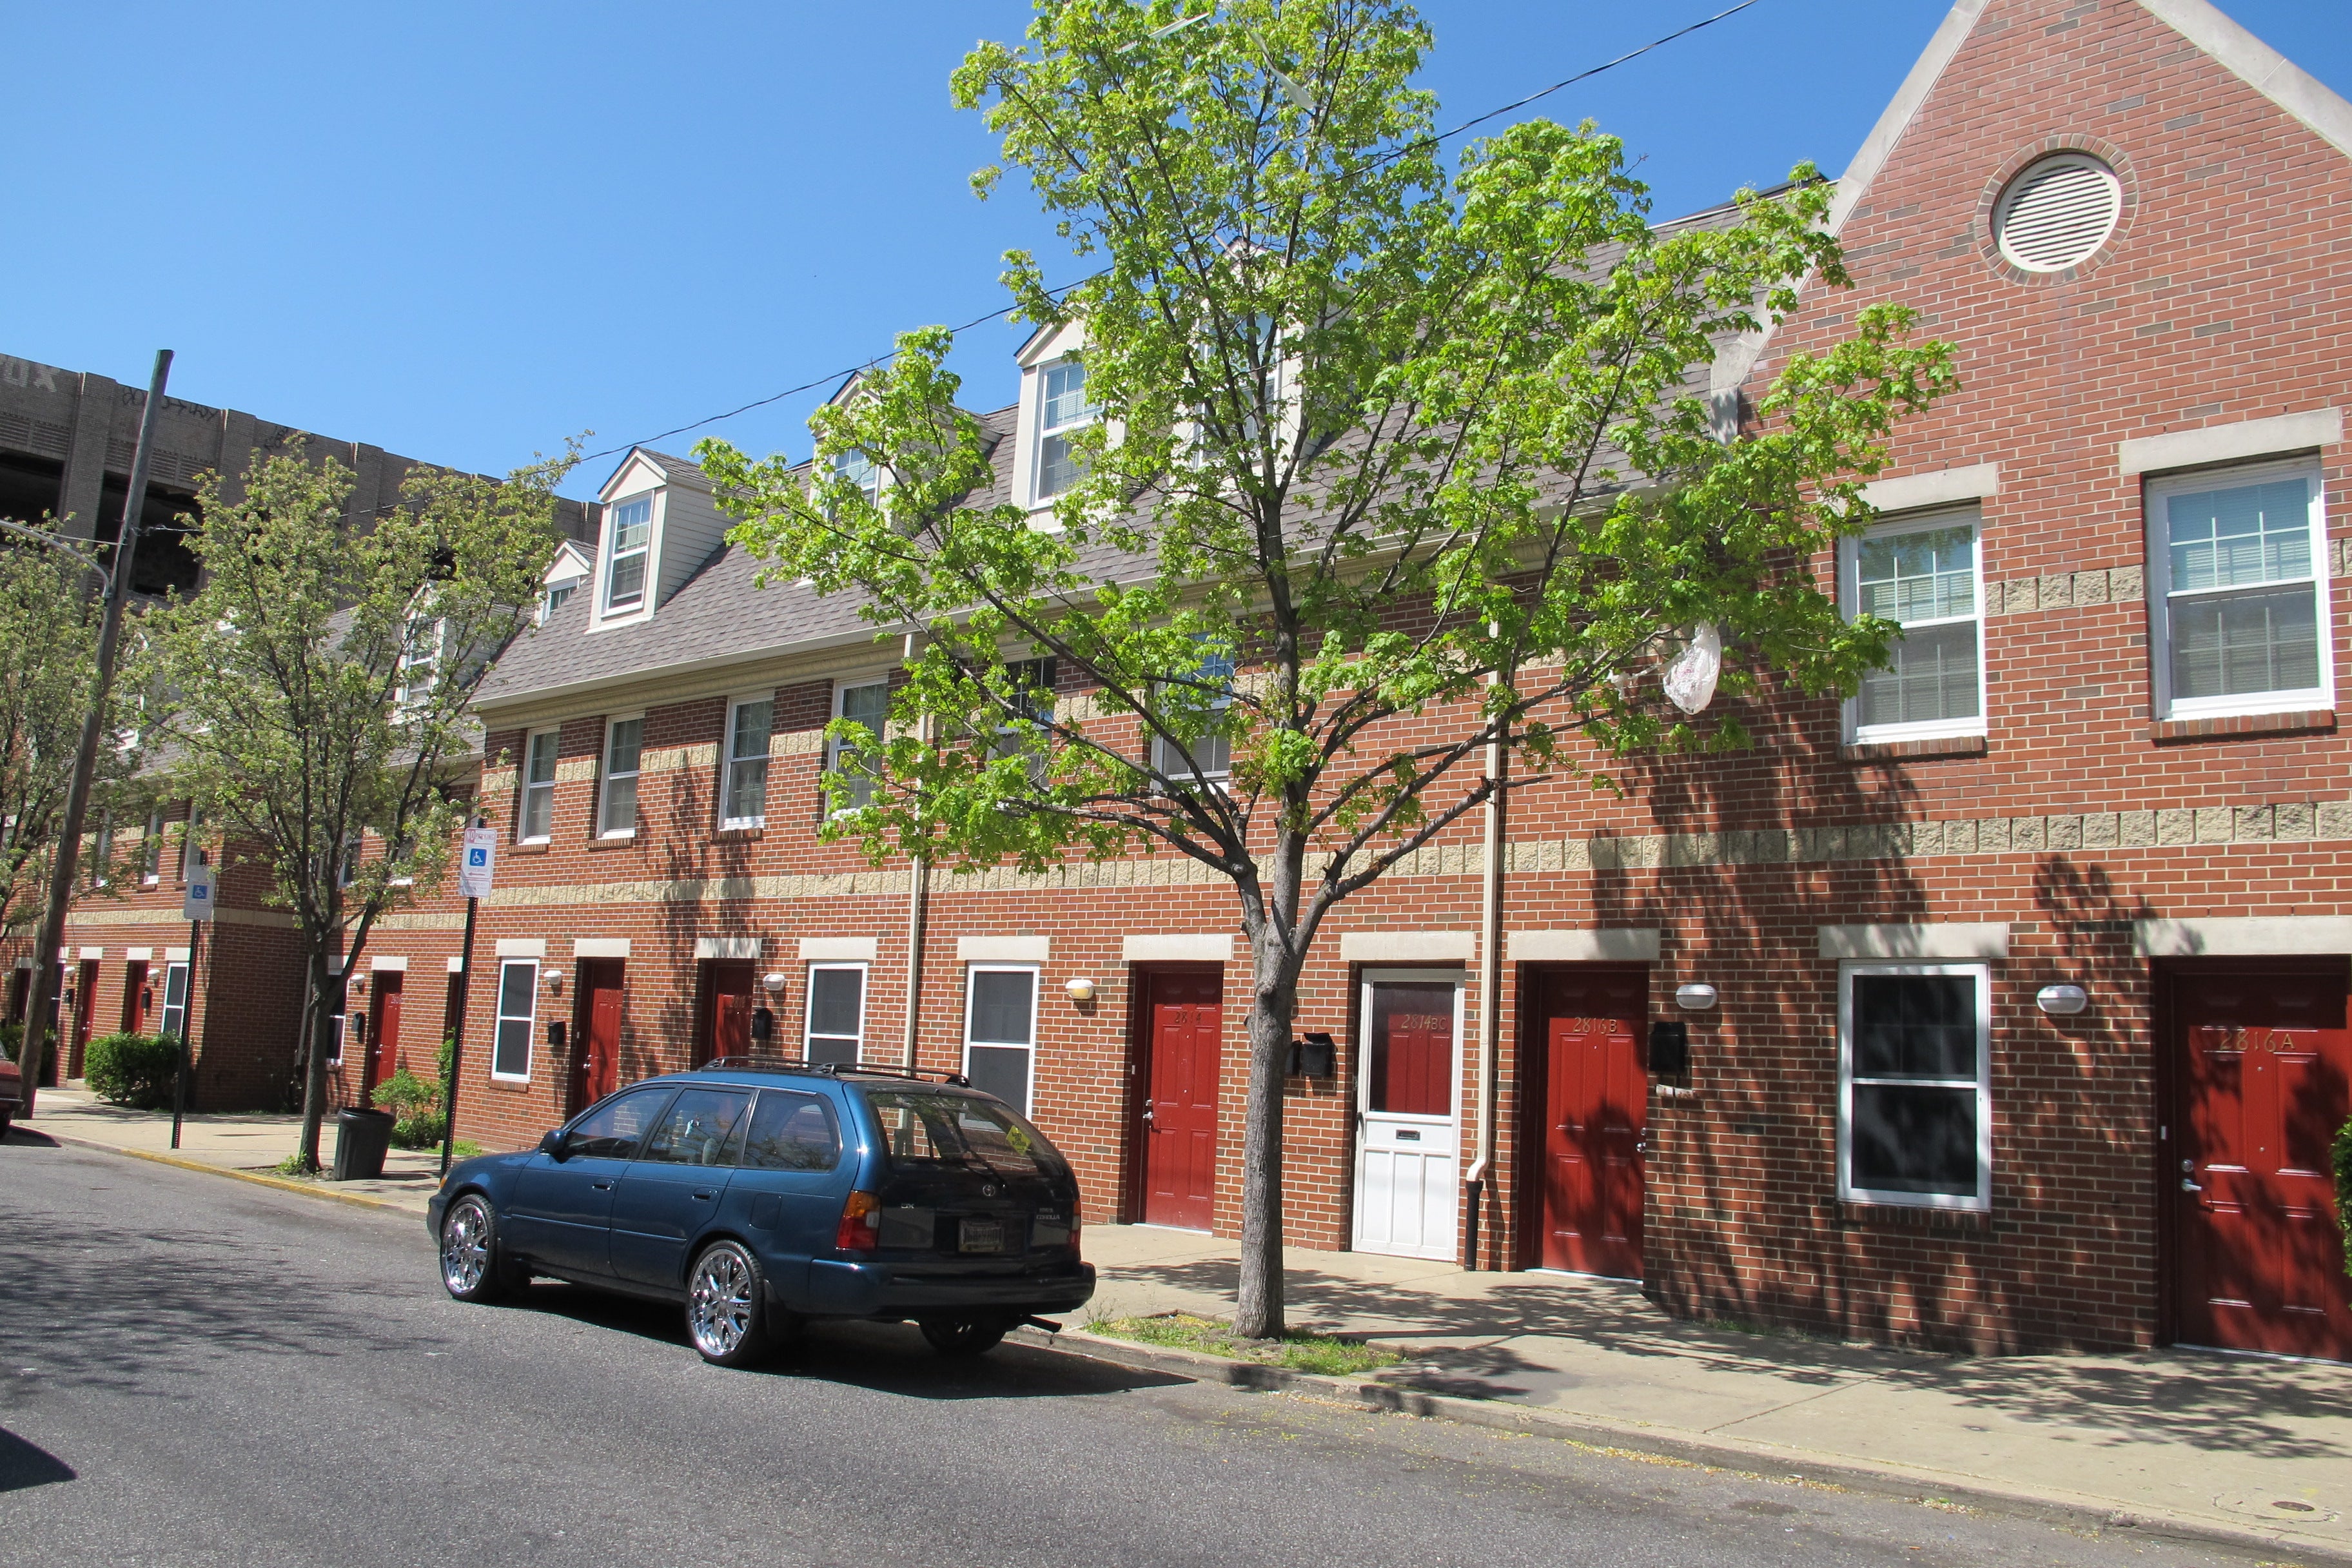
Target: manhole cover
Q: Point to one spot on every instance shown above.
(2277, 1510)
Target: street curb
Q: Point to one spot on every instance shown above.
(282, 1184)
(1772, 1461)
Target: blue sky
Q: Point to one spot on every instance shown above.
(463, 231)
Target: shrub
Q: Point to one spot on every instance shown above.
(136, 1070)
(421, 1130)
(406, 1095)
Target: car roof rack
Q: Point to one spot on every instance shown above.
(832, 1069)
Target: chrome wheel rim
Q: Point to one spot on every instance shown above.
(718, 1309)
(465, 1248)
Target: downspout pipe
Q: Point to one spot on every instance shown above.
(1490, 992)
(919, 909)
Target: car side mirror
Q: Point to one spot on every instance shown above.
(551, 1143)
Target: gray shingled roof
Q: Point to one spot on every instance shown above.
(720, 614)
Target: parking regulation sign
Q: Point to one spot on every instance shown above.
(479, 856)
(197, 902)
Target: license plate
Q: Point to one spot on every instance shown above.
(980, 1236)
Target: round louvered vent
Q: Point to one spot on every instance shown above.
(2057, 212)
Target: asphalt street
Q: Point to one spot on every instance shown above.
(196, 1371)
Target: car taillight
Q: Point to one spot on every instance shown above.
(861, 1223)
(1074, 1222)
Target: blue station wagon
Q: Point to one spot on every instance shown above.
(763, 1194)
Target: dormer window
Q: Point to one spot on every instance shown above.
(420, 660)
(552, 599)
(625, 570)
(859, 470)
(1064, 409)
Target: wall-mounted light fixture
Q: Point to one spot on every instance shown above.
(2062, 1001)
(1694, 998)
(773, 983)
(555, 982)
(1081, 989)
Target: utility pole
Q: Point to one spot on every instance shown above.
(68, 857)
(479, 862)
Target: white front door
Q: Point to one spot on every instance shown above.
(1407, 1178)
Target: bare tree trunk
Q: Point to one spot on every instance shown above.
(314, 1062)
(1274, 1006)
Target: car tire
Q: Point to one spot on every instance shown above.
(5, 1118)
(968, 1335)
(727, 1306)
(474, 1264)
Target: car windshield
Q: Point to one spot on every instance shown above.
(919, 1127)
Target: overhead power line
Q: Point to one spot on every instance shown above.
(832, 377)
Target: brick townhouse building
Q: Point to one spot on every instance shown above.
(66, 443)
(2011, 994)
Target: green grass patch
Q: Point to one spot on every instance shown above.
(1335, 1355)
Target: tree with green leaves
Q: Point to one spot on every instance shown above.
(320, 678)
(48, 651)
(1397, 475)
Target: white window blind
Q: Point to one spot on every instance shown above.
(624, 572)
(1063, 410)
(746, 804)
(535, 822)
(616, 808)
(867, 703)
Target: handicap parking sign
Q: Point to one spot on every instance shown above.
(474, 868)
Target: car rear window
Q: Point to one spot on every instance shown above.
(921, 1128)
(791, 1133)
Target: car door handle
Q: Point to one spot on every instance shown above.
(602, 1187)
(707, 1193)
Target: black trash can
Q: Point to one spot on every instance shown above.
(362, 1137)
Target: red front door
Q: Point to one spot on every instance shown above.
(134, 997)
(1185, 1018)
(1596, 1106)
(383, 1028)
(598, 1072)
(85, 1013)
(727, 1017)
(2262, 1059)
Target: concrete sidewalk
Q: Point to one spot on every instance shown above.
(2197, 1440)
(241, 1144)
(2201, 1441)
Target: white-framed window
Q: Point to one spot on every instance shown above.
(836, 1013)
(192, 841)
(1032, 681)
(101, 852)
(422, 642)
(535, 820)
(2238, 590)
(1926, 573)
(999, 1030)
(150, 849)
(744, 801)
(174, 1020)
(1213, 753)
(865, 702)
(1063, 410)
(860, 470)
(1915, 1084)
(630, 552)
(518, 1014)
(616, 799)
(552, 598)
